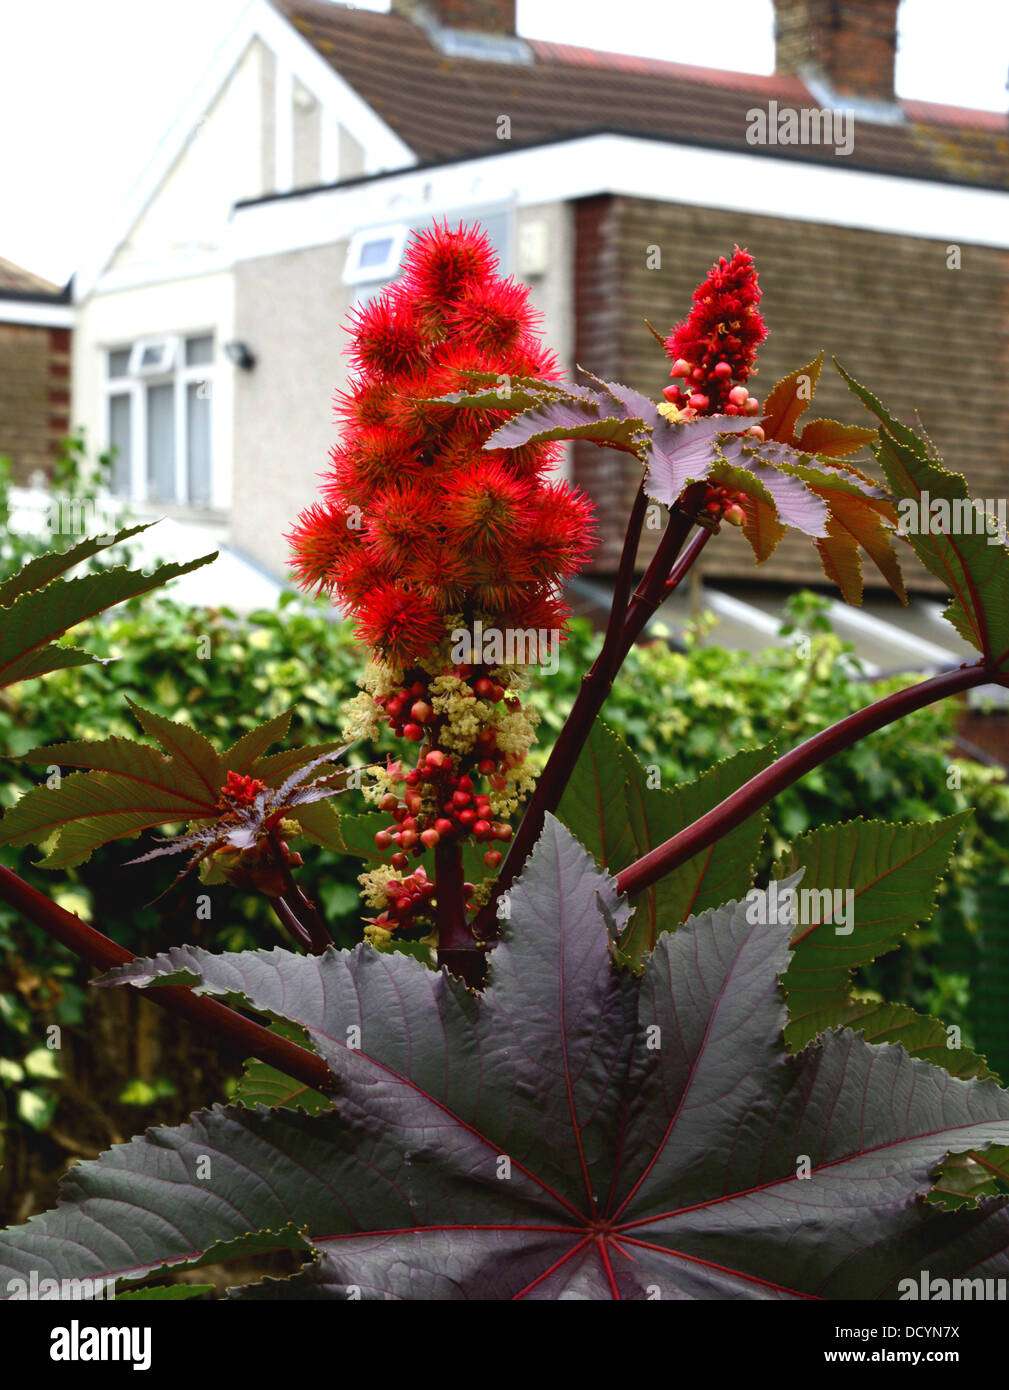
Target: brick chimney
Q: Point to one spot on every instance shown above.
(480, 16)
(850, 44)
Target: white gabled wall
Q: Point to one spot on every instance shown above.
(269, 114)
(222, 162)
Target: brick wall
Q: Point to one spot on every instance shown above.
(608, 477)
(923, 337)
(34, 394)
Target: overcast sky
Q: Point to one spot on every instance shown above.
(88, 87)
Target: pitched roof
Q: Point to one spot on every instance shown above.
(444, 106)
(16, 281)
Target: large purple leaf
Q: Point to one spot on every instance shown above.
(578, 1132)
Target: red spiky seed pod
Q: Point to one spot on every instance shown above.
(444, 526)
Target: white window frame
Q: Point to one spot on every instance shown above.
(354, 273)
(134, 385)
(166, 360)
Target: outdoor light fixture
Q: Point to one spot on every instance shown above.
(240, 354)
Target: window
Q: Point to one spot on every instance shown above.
(375, 253)
(158, 417)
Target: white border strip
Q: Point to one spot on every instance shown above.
(32, 312)
(832, 194)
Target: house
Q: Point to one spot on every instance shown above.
(36, 321)
(210, 332)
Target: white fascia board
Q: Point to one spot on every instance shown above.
(384, 149)
(32, 312)
(639, 168)
(192, 267)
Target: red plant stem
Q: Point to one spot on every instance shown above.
(654, 587)
(302, 909)
(688, 559)
(215, 1017)
(625, 572)
(788, 769)
(595, 687)
(289, 921)
(457, 948)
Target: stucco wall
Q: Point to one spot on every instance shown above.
(289, 309)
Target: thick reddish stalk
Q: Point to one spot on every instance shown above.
(788, 769)
(217, 1018)
(457, 949)
(595, 687)
(306, 924)
(625, 573)
(663, 572)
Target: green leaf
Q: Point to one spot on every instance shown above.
(127, 787)
(37, 617)
(261, 1084)
(37, 1108)
(892, 873)
(250, 748)
(964, 557)
(618, 812)
(164, 1293)
(45, 568)
(187, 748)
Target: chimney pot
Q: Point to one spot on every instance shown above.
(481, 16)
(852, 44)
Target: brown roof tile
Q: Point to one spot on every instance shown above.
(445, 107)
(15, 278)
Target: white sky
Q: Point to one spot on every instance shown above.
(88, 87)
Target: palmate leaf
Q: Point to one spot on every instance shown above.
(972, 563)
(576, 1132)
(37, 606)
(789, 400)
(786, 480)
(619, 421)
(610, 415)
(125, 787)
(612, 805)
(842, 510)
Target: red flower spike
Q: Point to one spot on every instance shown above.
(239, 790)
(718, 341)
